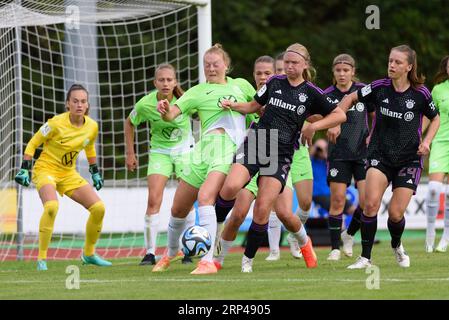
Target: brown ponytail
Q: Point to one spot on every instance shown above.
(412, 76)
(177, 91)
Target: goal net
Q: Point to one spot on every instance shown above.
(112, 48)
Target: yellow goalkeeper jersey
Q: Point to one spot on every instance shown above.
(63, 142)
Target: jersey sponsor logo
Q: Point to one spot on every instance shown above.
(68, 158)
(366, 90)
(45, 129)
(279, 103)
(409, 103)
(385, 101)
(278, 91)
(374, 162)
(302, 97)
(262, 90)
(230, 98)
(301, 110)
(410, 181)
(360, 107)
(333, 172)
(393, 114)
(409, 116)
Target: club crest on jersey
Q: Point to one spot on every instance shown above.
(333, 172)
(230, 98)
(262, 90)
(302, 97)
(408, 116)
(374, 162)
(301, 109)
(360, 107)
(409, 103)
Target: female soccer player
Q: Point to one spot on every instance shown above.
(302, 177)
(263, 70)
(222, 132)
(171, 143)
(439, 160)
(396, 147)
(288, 100)
(64, 136)
(347, 155)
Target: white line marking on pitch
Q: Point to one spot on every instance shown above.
(94, 281)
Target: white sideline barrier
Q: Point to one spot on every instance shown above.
(125, 209)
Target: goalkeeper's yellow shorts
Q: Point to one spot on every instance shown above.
(64, 181)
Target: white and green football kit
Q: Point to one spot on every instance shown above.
(171, 142)
(439, 153)
(214, 152)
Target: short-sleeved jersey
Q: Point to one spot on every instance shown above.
(287, 107)
(166, 137)
(63, 142)
(351, 143)
(206, 98)
(397, 129)
(440, 95)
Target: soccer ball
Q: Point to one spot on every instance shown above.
(196, 242)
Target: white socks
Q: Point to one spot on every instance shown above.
(432, 205)
(151, 227)
(208, 221)
(190, 219)
(225, 246)
(446, 217)
(274, 231)
(176, 226)
(303, 215)
(301, 236)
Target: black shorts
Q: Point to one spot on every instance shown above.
(404, 176)
(343, 171)
(256, 155)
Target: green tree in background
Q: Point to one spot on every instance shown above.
(248, 29)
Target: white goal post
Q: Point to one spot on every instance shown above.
(112, 47)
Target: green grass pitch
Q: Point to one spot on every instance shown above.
(427, 278)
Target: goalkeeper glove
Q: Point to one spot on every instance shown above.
(24, 176)
(96, 176)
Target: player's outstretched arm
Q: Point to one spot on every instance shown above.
(242, 107)
(336, 117)
(168, 112)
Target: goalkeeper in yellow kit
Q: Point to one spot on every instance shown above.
(64, 136)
